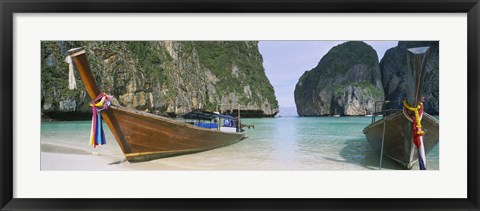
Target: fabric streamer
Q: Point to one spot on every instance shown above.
(416, 120)
(101, 103)
(72, 84)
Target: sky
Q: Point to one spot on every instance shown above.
(286, 61)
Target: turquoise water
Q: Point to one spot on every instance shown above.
(286, 143)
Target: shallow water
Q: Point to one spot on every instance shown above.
(286, 143)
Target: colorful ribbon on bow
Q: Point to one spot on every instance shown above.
(101, 103)
(416, 120)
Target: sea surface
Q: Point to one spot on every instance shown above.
(282, 143)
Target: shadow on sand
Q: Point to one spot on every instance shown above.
(360, 153)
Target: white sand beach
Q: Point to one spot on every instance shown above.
(55, 157)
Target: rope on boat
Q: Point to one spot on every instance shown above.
(101, 103)
(383, 142)
(416, 119)
(72, 84)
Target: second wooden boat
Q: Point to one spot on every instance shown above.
(143, 136)
(393, 135)
(398, 144)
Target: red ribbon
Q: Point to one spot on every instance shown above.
(416, 135)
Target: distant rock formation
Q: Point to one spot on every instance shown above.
(393, 67)
(160, 77)
(346, 81)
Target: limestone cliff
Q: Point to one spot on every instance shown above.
(346, 81)
(161, 77)
(393, 68)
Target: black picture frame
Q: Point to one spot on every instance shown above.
(9, 7)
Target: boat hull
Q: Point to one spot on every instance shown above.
(148, 136)
(398, 144)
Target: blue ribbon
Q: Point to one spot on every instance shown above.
(100, 134)
(420, 161)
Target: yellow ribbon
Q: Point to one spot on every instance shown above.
(99, 104)
(92, 134)
(417, 115)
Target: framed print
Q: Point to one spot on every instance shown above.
(239, 105)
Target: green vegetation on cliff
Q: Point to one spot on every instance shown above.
(349, 53)
(148, 58)
(367, 88)
(224, 57)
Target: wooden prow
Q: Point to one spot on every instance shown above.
(416, 71)
(79, 58)
(416, 64)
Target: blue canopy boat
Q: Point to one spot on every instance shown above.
(210, 120)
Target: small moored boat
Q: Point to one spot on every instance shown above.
(408, 134)
(212, 120)
(143, 136)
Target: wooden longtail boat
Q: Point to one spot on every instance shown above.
(143, 136)
(395, 129)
